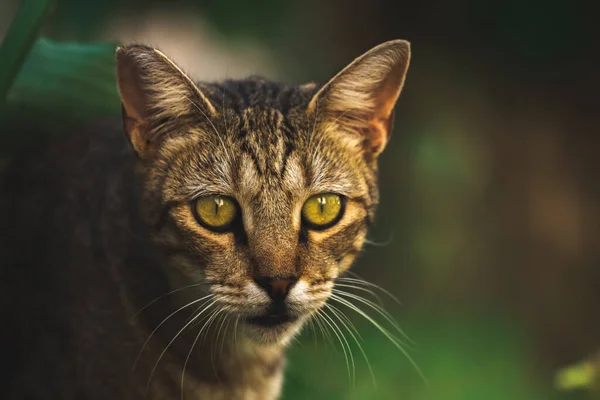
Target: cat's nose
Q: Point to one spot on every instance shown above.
(276, 287)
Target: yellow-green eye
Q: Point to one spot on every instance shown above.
(215, 212)
(323, 210)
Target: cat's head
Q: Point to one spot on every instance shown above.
(260, 192)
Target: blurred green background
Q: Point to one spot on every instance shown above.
(489, 226)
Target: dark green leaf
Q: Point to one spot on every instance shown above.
(60, 86)
(19, 39)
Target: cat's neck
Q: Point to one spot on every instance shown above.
(219, 360)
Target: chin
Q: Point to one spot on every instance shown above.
(272, 332)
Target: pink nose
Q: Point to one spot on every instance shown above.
(277, 288)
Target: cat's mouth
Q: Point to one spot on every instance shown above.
(272, 320)
(273, 328)
(277, 315)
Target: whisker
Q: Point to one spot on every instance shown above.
(171, 342)
(324, 332)
(353, 379)
(187, 359)
(341, 316)
(208, 323)
(363, 282)
(237, 319)
(381, 311)
(362, 289)
(335, 331)
(224, 335)
(216, 341)
(313, 329)
(161, 324)
(395, 341)
(165, 295)
(193, 315)
(235, 341)
(297, 341)
(380, 244)
(348, 321)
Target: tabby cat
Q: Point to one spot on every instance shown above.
(184, 267)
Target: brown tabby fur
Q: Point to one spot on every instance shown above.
(93, 232)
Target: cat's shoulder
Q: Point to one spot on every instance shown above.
(92, 149)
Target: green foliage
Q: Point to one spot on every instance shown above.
(60, 86)
(18, 40)
(576, 376)
(583, 376)
(468, 359)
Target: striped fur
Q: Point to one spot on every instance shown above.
(130, 235)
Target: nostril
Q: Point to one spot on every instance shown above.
(276, 287)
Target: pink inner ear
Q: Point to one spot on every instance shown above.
(378, 135)
(385, 99)
(135, 103)
(135, 100)
(134, 109)
(137, 131)
(131, 88)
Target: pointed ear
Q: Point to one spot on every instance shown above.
(156, 95)
(361, 98)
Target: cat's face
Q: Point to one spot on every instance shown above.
(268, 218)
(260, 192)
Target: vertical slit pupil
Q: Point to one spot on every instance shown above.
(218, 203)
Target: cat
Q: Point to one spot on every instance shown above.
(176, 252)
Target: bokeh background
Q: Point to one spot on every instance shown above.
(489, 226)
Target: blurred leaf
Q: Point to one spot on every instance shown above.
(18, 40)
(60, 86)
(584, 375)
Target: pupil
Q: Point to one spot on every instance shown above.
(218, 203)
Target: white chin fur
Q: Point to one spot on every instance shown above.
(279, 335)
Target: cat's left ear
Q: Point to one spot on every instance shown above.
(156, 95)
(361, 98)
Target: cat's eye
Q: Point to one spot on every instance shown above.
(216, 213)
(323, 210)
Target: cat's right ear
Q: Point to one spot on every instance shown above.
(156, 95)
(360, 99)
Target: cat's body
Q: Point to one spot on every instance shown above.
(74, 202)
(101, 251)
